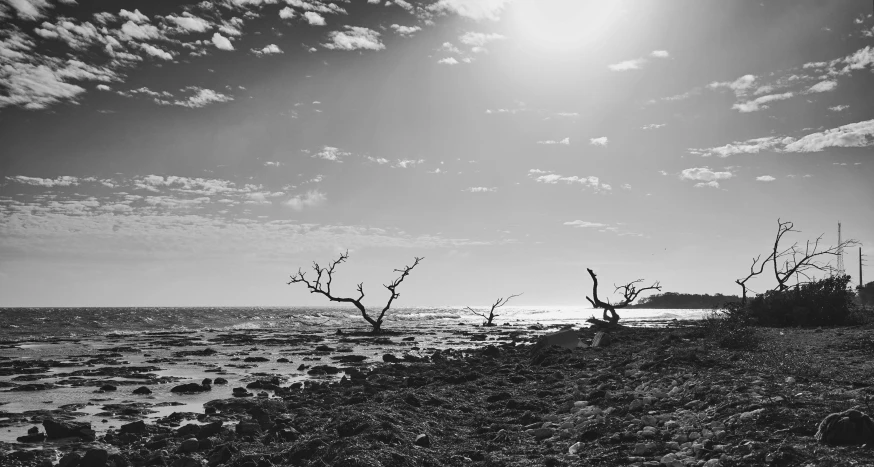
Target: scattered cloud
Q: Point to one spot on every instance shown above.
(448, 61)
(222, 42)
(653, 126)
(271, 49)
(314, 18)
(201, 97)
(704, 174)
(852, 135)
(659, 54)
(602, 141)
(565, 141)
(309, 199)
(407, 163)
(765, 178)
(286, 13)
(759, 103)
(189, 22)
(405, 30)
(627, 65)
(585, 224)
(710, 184)
(550, 178)
(354, 38)
(480, 189)
(65, 180)
(476, 10)
(478, 40)
(839, 108)
(333, 154)
(823, 86)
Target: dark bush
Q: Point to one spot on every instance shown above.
(730, 327)
(823, 302)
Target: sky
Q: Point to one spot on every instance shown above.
(171, 153)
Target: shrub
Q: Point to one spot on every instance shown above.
(731, 328)
(821, 302)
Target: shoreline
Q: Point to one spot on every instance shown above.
(652, 393)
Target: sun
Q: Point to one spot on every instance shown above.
(563, 25)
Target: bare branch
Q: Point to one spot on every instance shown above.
(498, 303)
(629, 293)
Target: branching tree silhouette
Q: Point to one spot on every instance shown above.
(499, 303)
(793, 261)
(324, 288)
(743, 282)
(629, 294)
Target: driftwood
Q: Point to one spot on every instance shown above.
(491, 316)
(629, 294)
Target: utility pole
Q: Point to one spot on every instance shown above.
(841, 271)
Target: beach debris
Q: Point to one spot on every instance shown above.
(568, 339)
(423, 440)
(601, 339)
(846, 428)
(629, 294)
(142, 390)
(575, 448)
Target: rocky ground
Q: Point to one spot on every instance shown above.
(650, 397)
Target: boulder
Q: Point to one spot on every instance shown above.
(189, 445)
(191, 388)
(601, 339)
(423, 440)
(33, 438)
(567, 339)
(94, 458)
(71, 459)
(63, 429)
(845, 428)
(136, 427)
(142, 390)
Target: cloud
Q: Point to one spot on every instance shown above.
(480, 189)
(103, 87)
(549, 178)
(839, 108)
(65, 180)
(752, 146)
(477, 40)
(602, 141)
(405, 30)
(823, 86)
(448, 61)
(354, 38)
(710, 184)
(659, 54)
(403, 4)
(134, 16)
(310, 199)
(476, 10)
(29, 9)
(202, 97)
(378, 160)
(314, 18)
(627, 65)
(704, 174)
(653, 126)
(758, 103)
(271, 49)
(765, 178)
(329, 153)
(741, 84)
(407, 163)
(189, 22)
(286, 13)
(565, 141)
(132, 30)
(222, 42)
(853, 135)
(585, 224)
(156, 52)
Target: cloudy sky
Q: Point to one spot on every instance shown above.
(172, 153)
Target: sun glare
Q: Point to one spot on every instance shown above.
(561, 25)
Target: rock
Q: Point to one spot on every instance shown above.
(185, 462)
(95, 458)
(848, 427)
(189, 430)
(412, 400)
(63, 429)
(191, 388)
(218, 381)
(108, 387)
(247, 428)
(324, 348)
(601, 339)
(219, 455)
(189, 445)
(71, 459)
(206, 382)
(142, 390)
(282, 360)
(568, 339)
(542, 433)
(423, 440)
(575, 448)
(33, 430)
(118, 460)
(256, 359)
(32, 438)
(241, 392)
(389, 358)
(133, 427)
(210, 429)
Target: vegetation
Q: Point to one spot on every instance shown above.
(681, 300)
(322, 285)
(489, 320)
(629, 294)
(866, 294)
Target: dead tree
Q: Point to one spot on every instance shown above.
(324, 288)
(629, 294)
(499, 303)
(743, 282)
(793, 261)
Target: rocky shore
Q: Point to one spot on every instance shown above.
(644, 397)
